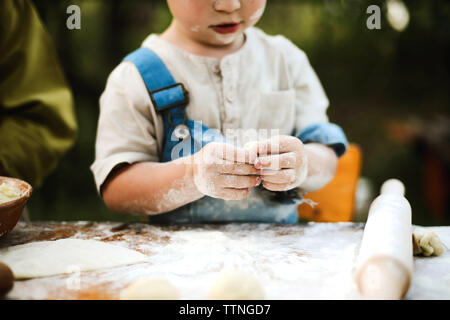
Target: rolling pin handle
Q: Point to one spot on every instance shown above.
(393, 186)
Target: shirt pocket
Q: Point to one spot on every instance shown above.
(277, 111)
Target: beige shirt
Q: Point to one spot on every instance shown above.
(266, 84)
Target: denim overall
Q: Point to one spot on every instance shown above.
(183, 137)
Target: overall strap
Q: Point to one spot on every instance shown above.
(182, 136)
(165, 92)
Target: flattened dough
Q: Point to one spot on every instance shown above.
(427, 243)
(48, 258)
(150, 289)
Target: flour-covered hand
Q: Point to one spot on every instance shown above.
(223, 171)
(282, 162)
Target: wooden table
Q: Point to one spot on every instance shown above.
(312, 261)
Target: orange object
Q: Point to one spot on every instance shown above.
(337, 199)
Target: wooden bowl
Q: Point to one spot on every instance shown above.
(10, 211)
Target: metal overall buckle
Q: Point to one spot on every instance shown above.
(181, 131)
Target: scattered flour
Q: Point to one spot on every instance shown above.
(195, 28)
(258, 13)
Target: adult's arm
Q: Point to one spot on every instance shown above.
(37, 120)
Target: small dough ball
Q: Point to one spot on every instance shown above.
(6, 279)
(150, 289)
(236, 285)
(427, 243)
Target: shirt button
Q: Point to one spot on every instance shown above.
(231, 96)
(216, 68)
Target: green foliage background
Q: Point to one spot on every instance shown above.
(370, 76)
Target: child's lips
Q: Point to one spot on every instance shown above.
(225, 28)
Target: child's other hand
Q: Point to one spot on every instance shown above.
(223, 171)
(282, 162)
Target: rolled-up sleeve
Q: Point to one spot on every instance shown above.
(328, 134)
(126, 132)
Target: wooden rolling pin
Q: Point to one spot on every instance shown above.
(385, 263)
(6, 279)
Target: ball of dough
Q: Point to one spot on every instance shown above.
(236, 285)
(427, 243)
(150, 289)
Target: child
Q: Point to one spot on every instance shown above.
(212, 72)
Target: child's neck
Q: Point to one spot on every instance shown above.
(175, 36)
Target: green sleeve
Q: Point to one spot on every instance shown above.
(37, 120)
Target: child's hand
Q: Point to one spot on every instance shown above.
(282, 160)
(223, 171)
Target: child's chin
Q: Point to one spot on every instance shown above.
(224, 40)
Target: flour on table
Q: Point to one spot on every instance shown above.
(48, 258)
(427, 243)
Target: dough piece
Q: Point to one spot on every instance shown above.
(48, 258)
(427, 243)
(236, 285)
(150, 289)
